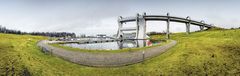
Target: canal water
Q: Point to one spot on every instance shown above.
(112, 45)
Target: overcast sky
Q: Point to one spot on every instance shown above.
(100, 16)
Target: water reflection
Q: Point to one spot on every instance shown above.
(112, 45)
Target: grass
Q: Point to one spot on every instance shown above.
(213, 52)
(110, 51)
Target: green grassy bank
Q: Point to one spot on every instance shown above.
(213, 52)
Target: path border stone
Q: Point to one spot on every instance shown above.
(104, 59)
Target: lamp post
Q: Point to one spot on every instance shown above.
(143, 56)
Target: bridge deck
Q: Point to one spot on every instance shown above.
(165, 18)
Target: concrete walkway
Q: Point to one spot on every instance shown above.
(105, 59)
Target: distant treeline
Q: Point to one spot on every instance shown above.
(235, 28)
(50, 34)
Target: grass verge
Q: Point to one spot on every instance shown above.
(213, 52)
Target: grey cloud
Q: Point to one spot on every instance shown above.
(95, 16)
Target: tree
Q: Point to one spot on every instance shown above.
(50, 34)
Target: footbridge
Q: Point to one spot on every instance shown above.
(140, 29)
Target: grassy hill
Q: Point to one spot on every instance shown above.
(213, 52)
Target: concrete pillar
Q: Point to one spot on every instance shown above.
(140, 43)
(168, 24)
(119, 27)
(137, 26)
(142, 27)
(188, 25)
(202, 27)
(120, 44)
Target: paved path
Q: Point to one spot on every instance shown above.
(105, 59)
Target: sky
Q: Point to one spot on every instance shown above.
(93, 17)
